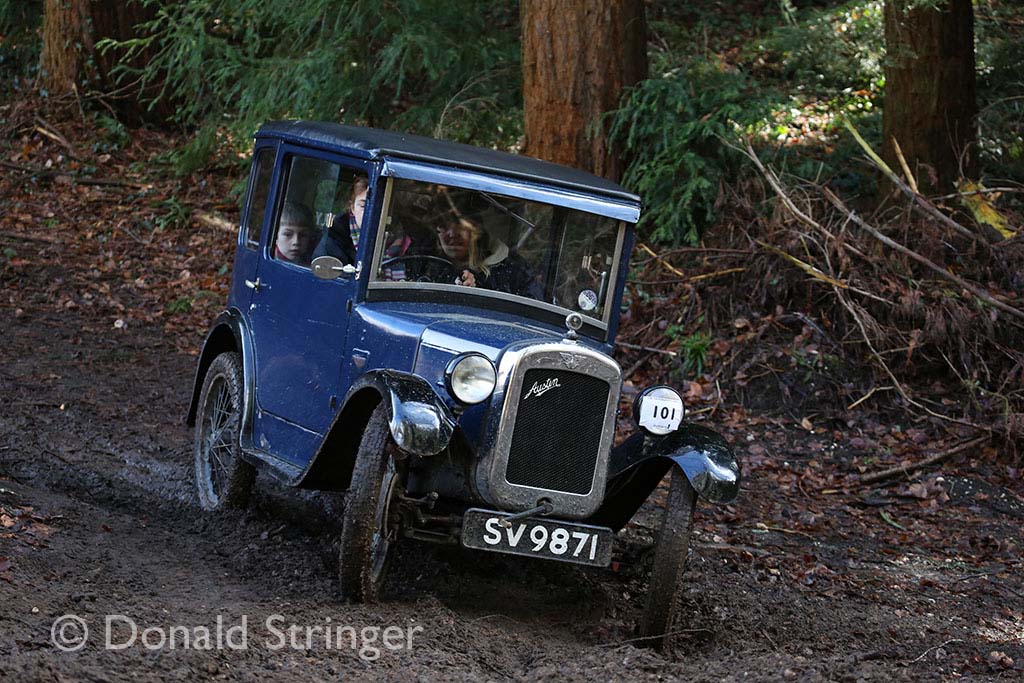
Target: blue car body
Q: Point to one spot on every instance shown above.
(320, 354)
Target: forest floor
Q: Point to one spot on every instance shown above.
(109, 277)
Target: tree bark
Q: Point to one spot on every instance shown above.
(119, 20)
(67, 41)
(71, 28)
(930, 83)
(578, 58)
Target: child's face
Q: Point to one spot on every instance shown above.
(294, 242)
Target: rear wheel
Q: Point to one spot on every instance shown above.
(664, 594)
(366, 534)
(223, 478)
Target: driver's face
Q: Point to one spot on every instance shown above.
(456, 238)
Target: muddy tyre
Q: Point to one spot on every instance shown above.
(664, 593)
(223, 478)
(366, 535)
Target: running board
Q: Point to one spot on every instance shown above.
(281, 470)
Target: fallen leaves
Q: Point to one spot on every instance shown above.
(999, 660)
(124, 259)
(20, 523)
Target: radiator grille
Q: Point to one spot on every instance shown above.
(557, 435)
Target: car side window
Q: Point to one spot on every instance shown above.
(262, 171)
(321, 214)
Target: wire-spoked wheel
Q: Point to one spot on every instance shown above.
(223, 478)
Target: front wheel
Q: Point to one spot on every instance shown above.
(366, 534)
(664, 593)
(223, 478)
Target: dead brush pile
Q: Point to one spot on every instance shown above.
(812, 308)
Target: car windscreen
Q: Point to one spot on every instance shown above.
(436, 236)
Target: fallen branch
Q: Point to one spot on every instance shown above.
(727, 548)
(889, 242)
(867, 396)
(104, 181)
(776, 184)
(695, 278)
(52, 172)
(215, 221)
(927, 462)
(46, 128)
(649, 349)
(663, 262)
(804, 266)
(904, 165)
(28, 238)
(18, 167)
(917, 201)
(849, 306)
(933, 648)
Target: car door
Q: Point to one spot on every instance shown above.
(299, 322)
(253, 218)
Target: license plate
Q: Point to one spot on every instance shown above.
(552, 540)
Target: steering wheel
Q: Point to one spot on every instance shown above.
(419, 257)
(422, 257)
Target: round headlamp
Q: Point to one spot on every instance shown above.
(470, 378)
(659, 410)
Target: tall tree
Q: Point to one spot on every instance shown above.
(578, 58)
(930, 105)
(67, 41)
(72, 29)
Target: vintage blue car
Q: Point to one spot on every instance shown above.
(429, 327)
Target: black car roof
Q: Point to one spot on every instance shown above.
(373, 143)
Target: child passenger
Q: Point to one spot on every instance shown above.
(342, 237)
(295, 235)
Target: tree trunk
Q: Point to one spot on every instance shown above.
(930, 105)
(578, 58)
(118, 20)
(67, 42)
(70, 30)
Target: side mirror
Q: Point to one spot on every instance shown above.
(330, 268)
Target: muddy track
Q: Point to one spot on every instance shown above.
(100, 518)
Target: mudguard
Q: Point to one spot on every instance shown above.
(420, 422)
(639, 463)
(227, 333)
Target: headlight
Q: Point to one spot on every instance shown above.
(659, 410)
(470, 378)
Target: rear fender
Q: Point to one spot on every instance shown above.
(228, 333)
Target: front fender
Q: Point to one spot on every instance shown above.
(639, 463)
(419, 420)
(701, 453)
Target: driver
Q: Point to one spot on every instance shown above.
(480, 259)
